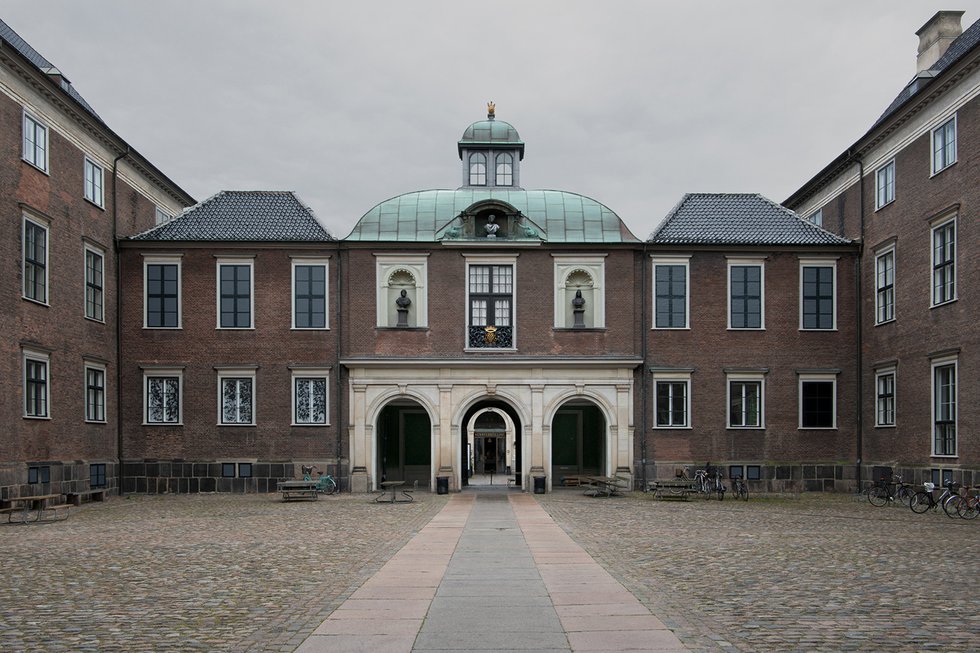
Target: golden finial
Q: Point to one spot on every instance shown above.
(490, 109)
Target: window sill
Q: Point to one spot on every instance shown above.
(888, 203)
(573, 329)
(802, 330)
(45, 170)
(934, 172)
(477, 350)
(95, 204)
(160, 328)
(96, 421)
(305, 425)
(746, 328)
(220, 328)
(163, 423)
(884, 322)
(309, 328)
(884, 426)
(250, 426)
(37, 417)
(388, 328)
(947, 303)
(672, 428)
(683, 328)
(816, 428)
(746, 428)
(944, 456)
(35, 301)
(94, 319)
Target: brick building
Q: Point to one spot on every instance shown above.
(489, 331)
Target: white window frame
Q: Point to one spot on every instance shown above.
(86, 250)
(881, 374)
(819, 263)
(161, 216)
(310, 262)
(173, 259)
(742, 262)
(163, 372)
(816, 377)
(936, 226)
(94, 184)
(44, 225)
(745, 377)
(882, 196)
(485, 259)
(946, 361)
(250, 262)
(310, 373)
(45, 359)
(816, 217)
(932, 145)
(229, 373)
(29, 154)
(387, 265)
(889, 251)
(673, 377)
(657, 261)
(96, 367)
(593, 265)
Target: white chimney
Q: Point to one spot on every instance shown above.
(935, 37)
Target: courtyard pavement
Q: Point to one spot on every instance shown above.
(250, 573)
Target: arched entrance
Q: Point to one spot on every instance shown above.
(404, 443)
(491, 444)
(578, 441)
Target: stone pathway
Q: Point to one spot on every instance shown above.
(491, 572)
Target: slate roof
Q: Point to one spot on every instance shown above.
(558, 216)
(243, 216)
(20, 45)
(737, 219)
(963, 44)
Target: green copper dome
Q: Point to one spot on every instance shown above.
(491, 133)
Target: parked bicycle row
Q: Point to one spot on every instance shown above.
(955, 499)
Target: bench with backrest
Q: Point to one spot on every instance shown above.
(96, 494)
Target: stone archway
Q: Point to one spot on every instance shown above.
(404, 443)
(579, 435)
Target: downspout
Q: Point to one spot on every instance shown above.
(643, 366)
(859, 336)
(118, 338)
(338, 346)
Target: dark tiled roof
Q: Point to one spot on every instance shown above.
(32, 55)
(250, 216)
(963, 44)
(737, 219)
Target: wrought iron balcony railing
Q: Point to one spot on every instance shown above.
(490, 337)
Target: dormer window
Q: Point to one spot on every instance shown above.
(505, 170)
(478, 169)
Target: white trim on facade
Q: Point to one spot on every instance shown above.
(594, 265)
(416, 266)
(311, 262)
(163, 259)
(658, 260)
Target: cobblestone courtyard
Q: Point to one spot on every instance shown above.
(249, 573)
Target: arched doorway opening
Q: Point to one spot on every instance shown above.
(491, 444)
(578, 441)
(404, 443)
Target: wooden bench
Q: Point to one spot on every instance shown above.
(75, 498)
(571, 481)
(298, 490)
(54, 511)
(673, 489)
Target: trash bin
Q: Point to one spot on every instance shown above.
(539, 484)
(442, 485)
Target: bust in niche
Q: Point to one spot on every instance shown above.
(578, 310)
(403, 302)
(491, 227)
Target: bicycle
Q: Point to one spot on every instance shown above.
(923, 499)
(888, 491)
(325, 483)
(966, 505)
(740, 490)
(709, 483)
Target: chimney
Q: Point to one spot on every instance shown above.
(936, 36)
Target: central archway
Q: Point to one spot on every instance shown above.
(490, 445)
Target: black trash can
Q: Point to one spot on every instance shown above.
(442, 485)
(539, 484)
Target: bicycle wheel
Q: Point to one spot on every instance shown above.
(878, 496)
(330, 486)
(742, 492)
(921, 502)
(969, 508)
(951, 505)
(905, 494)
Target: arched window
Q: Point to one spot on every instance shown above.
(505, 170)
(478, 169)
(580, 281)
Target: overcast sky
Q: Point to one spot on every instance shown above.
(350, 103)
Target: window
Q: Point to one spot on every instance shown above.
(94, 291)
(309, 295)
(885, 287)
(747, 472)
(490, 297)
(672, 398)
(235, 295)
(818, 299)
(35, 143)
(94, 394)
(35, 261)
(245, 470)
(96, 475)
(161, 281)
(41, 474)
(478, 169)
(746, 296)
(670, 282)
(505, 170)
(944, 408)
(885, 398)
(944, 263)
(885, 185)
(160, 216)
(944, 145)
(162, 397)
(818, 401)
(395, 274)
(36, 385)
(309, 397)
(93, 182)
(236, 397)
(228, 470)
(816, 217)
(745, 401)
